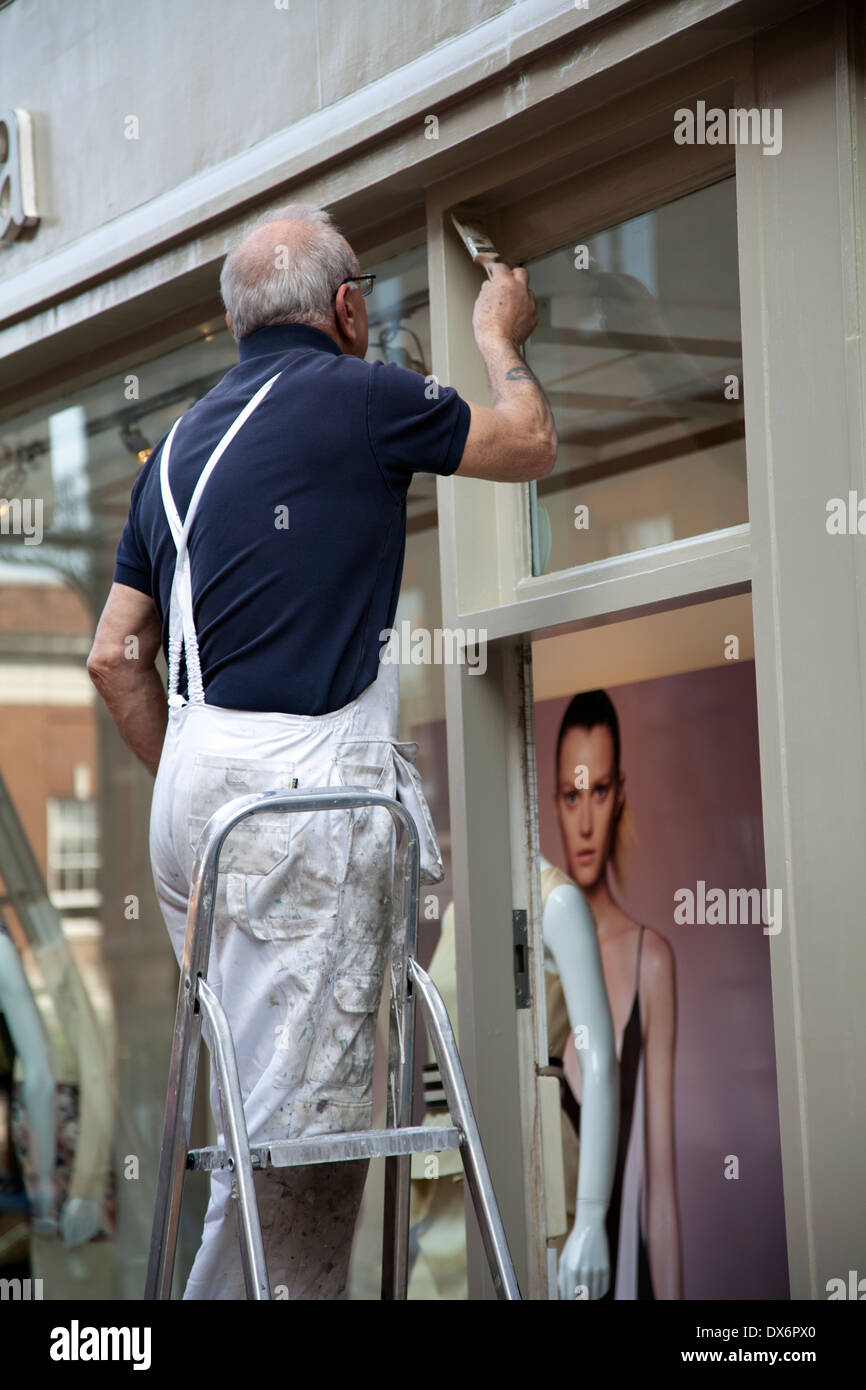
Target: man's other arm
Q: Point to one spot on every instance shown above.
(121, 665)
(514, 440)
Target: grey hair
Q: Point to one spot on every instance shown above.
(290, 282)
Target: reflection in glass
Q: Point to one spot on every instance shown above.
(74, 804)
(638, 349)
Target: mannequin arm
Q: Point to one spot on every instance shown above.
(570, 938)
(663, 1226)
(25, 1028)
(93, 1051)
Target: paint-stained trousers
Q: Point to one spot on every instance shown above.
(300, 946)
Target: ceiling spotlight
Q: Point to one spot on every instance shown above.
(135, 442)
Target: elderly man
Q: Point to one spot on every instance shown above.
(264, 551)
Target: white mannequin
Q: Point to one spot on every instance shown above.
(571, 948)
(80, 1218)
(25, 1029)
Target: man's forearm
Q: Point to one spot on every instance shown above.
(137, 703)
(515, 388)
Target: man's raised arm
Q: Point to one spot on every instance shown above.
(514, 440)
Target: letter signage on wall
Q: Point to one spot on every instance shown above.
(17, 177)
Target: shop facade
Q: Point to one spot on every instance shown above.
(685, 185)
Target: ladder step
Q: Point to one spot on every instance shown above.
(335, 1148)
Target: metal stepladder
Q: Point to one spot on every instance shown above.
(396, 1143)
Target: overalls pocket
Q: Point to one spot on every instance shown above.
(258, 843)
(368, 763)
(280, 870)
(342, 1059)
(359, 759)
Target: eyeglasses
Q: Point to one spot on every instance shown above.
(364, 283)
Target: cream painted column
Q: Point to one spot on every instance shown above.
(491, 799)
(802, 294)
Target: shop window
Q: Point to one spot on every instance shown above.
(69, 466)
(638, 348)
(649, 799)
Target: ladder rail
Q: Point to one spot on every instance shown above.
(177, 1126)
(185, 1046)
(471, 1150)
(401, 1059)
(235, 1129)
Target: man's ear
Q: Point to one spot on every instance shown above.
(229, 322)
(345, 318)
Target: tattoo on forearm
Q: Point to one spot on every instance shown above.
(534, 402)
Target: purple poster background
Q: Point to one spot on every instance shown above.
(690, 758)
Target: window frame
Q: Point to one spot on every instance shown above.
(57, 861)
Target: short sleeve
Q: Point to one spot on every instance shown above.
(132, 563)
(415, 424)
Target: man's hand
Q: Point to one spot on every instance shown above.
(505, 308)
(515, 440)
(121, 666)
(585, 1260)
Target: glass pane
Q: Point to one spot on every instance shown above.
(398, 312)
(86, 939)
(638, 349)
(649, 801)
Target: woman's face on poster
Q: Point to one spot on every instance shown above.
(586, 802)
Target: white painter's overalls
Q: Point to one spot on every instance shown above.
(301, 931)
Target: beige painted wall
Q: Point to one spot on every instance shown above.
(205, 78)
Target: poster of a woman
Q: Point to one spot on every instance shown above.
(648, 791)
(639, 975)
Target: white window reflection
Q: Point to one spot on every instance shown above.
(638, 348)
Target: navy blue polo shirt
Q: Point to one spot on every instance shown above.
(288, 617)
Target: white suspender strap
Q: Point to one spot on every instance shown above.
(182, 633)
